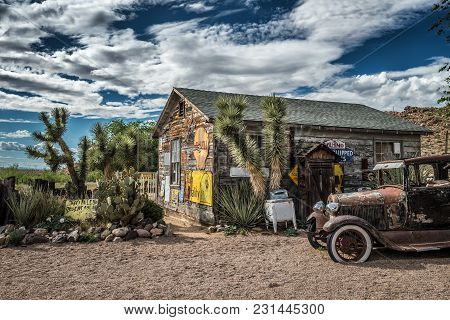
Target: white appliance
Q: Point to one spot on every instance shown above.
(280, 209)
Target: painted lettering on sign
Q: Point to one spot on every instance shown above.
(81, 209)
(346, 154)
(335, 144)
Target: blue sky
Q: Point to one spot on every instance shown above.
(105, 59)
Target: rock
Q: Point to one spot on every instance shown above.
(120, 232)
(117, 239)
(142, 233)
(157, 232)
(6, 228)
(148, 227)
(33, 238)
(219, 228)
(212, 229)
(41, 231)
(109, 238)
(22, 231)
(109, 225)
(91, 230)
(59, 238)
(99, 230)
(168, 232)
(73, 236)
(131, 235)
(105, 234)
(4, 240)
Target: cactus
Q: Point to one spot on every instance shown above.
(119, 198)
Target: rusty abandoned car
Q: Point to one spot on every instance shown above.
(408, 211)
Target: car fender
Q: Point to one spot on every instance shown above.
(320, 219)
(339, 221)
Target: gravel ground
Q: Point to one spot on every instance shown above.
(194, 265)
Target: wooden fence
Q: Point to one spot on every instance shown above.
(148, 184)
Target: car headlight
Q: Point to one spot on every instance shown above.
(332, 208)
(319, 207)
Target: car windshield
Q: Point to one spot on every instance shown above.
(390, 177)
(389, 173)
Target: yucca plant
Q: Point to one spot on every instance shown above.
(31, 207)
(274, 137)
(229, 128)
(238, 206)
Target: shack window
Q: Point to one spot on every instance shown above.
(175, 162)
(387, 151)
(181, 109)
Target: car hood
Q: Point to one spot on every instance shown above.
(381, 196)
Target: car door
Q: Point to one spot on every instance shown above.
(428, 202)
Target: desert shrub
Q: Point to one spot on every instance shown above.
(152, 210)
(31, 207)
(290, 232)
(238, 206)
(15, 237)
(88, 237)
(57, 223)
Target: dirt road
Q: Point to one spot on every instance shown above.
(201, 266)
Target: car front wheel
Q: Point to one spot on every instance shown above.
(315, 240)
(349, 244)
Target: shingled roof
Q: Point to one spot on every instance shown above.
(310, 112)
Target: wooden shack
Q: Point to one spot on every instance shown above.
(331, 145)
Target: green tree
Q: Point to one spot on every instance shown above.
(52, 138)
(229, 128)
(103, 150)
(441, 26)
(274, 137)
(118, 145)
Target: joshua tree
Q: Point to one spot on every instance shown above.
(274, 137)
(103, 149)
(53, 137)
(230, 129)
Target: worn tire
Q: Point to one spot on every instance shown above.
(361, 240)
(311, 228)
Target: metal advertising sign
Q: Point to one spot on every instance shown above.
(341, 150)
(199, 187)
(201, 147)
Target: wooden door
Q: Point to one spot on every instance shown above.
(320, 181)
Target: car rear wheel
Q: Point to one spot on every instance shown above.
(315, 240)
(349, 244)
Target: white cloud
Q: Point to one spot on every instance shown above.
(12, 146)
(12, 120)
(197, 7)
(293, 50)
(387, 90)
(16, 134)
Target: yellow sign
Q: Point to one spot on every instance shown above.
(81, 209)
(199, 187)
(338, 172)
(294, 174)
(201, 147)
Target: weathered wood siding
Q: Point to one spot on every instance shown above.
(363, 145)
(183, 128)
